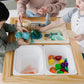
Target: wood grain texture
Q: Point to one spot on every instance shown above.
(9, 78)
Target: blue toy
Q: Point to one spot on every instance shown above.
(56, 36)
(18, 35)
(24, 35)
(47, 19)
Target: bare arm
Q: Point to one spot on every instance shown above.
(54, 24)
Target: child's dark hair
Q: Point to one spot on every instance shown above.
(4, 13)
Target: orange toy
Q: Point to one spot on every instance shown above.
(53, 70)
(51, 57)
(65, 72)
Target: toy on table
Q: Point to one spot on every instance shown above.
(24, 35)
(29, 70)
(47, 19)
(61, 67)
(56, 36)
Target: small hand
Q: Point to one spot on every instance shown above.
(20, 42)
(22, 29)
(44, 10)
(22, 15)
(79, 37)
(40, 29)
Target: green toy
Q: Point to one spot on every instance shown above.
(59, 72)
(58, 66)
(36, 33)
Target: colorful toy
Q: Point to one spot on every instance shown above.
(61, 61)
(18, 35)
(65, 59)
(63, 70)
(63, 65)
(29, 70)
(58, 57)
(24, 35)
(51, 57)
(56, 36)
(51, 61)
(58, 66)
(66, 63)
(59, 72)
(66, 68)
(47, 35)
(53, 70)
(47, 19)
(36, 33)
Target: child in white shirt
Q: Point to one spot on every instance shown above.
(76, 17)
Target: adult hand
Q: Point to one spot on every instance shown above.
(22, 15)
(44, 10)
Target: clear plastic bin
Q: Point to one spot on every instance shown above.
(37, 57)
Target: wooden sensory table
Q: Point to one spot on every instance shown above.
(9, 78)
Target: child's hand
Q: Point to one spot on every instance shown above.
(40, 29)
(22, 29)
(79, 37)
(22, 15)
(20, 42)
(44, 10)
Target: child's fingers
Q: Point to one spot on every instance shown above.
(24, 29)
(20, 19)
(77, 36)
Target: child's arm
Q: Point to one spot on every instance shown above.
(21, 6)
(7, 47)
(10, 46)
(13, 28)
(53, 8)
(54, 24)
(79, 37)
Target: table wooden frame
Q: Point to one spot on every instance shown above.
(9, 78)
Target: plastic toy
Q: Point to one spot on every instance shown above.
(58, 66)
(56, 36)
(51, 57)
(66, 63)
(47, 19)
(63, 65)
(36, 33)
(59, 72)
(66, 68)
(18, 35)
(29, 70)
(51, 61)
(24, 35)
(58, 57)
(63, 70)
(53, 70)
(34, 37)
(61, 61)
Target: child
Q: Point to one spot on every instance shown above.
(76, 17)
(38, 8)
(4, 27)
